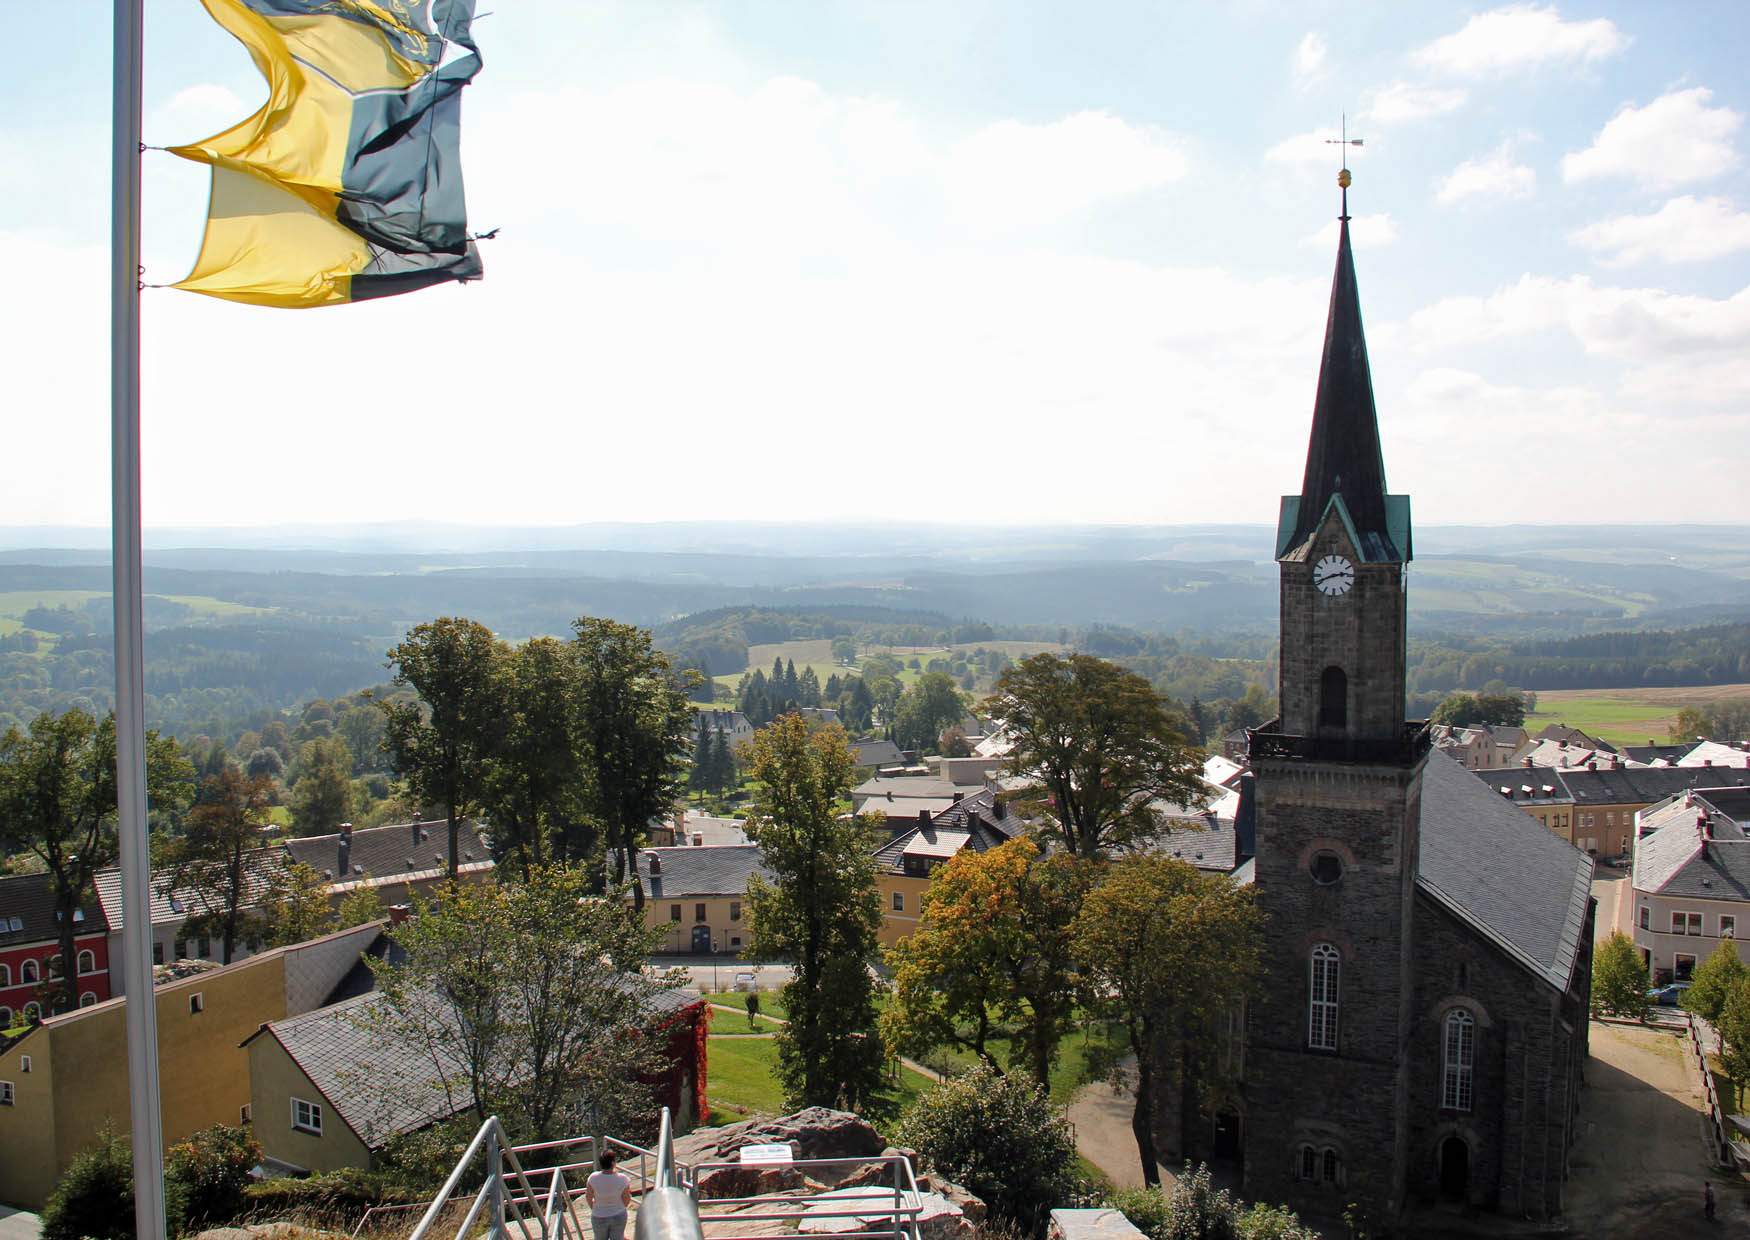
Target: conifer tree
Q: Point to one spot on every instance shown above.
(808, 688)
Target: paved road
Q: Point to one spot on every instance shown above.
(718, 973)
(1639, 1165)
(1101, 1116)
(18, 1224)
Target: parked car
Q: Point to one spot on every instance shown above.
(1668, 994)
(745, 982)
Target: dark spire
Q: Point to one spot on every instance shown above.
(1343, 454)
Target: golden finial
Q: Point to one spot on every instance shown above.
(1343, 173)
(1343, 178)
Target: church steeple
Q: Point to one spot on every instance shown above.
(1343, 455)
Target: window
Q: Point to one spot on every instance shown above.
(5, 975)
(206, 947)
(24, 1063)
(157, 953)
(698, 912)
(28, 972)
(1309, 1163)
(1728, 926)
(1326, 868)
(1457, 1071)
(1321, 1032)
(1333, 1166)
(1683, 967)
(87, 961)
(674, 912)
(5, 1018)
(1686, 923)
(1464, 975)
(735, 940)
(182, 949)
(1333, 698)
(88, 998)
(735, 910)
(5, 1093)
(197, 1003)
(54, 963)
(307, 1116)
(899, 901)
(245, 1114)
(1695, 924)
(1646, 918)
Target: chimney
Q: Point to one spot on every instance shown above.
(698, 841)
(655, 863)
(398, 913)
(1000, 810)
(923, 818)
(344, 864)
(957, 797)
(1528, 760)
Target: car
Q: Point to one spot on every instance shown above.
(1667, 995)
(745, 982)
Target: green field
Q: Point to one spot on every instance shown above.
(1625, 716)
(14, 603)
(741, 1079)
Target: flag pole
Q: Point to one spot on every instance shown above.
(130, 694)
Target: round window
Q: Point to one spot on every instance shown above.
(1327, 868)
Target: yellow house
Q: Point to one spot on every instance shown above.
(698, 896)
(904, 864)
(68, 1076)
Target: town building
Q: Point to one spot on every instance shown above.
(1421, 1024)
(175, 903)
(1691, 879)
(698, 896)
(30, 949)
(1593, 807)
(905, 864)
(67, 1077)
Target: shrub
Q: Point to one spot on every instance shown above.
(1196, 1210)
(95, 1197)
(205, 1177)
(333, 1200)
(1000, 1137)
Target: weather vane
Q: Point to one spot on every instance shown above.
(1343, 173)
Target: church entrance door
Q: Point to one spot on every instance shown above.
(1227, 1135)
(1454, 1168)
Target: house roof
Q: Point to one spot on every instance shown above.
(1670, 858)
(174, 902)
(29, 900)
(970, 822)
(1500, 871)
(1214, 847)
(1606, 785)
(1563, 734)
(714, 832)
(905, 787)
(379, 1085)
(723, 870)
(1712, 753)
(1651, 752)
(397, 852)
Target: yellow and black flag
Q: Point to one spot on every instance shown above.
(347, 183)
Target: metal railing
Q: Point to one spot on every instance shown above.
(1402, 750)
(542, 1202)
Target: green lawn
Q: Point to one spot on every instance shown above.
(1622, 721)
(770, 1004)
(741, 1079)
(1068, 1074)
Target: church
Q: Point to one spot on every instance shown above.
(1420, 1030)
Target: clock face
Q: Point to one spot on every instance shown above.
(1334, 575)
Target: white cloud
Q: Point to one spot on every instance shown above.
(1495, 175)
(1675, 139)
(1314, 149)
(195, 112)
(1366, 231)
(1309, 59)
(1684, 230)
(1401, 102)
(1521, 37)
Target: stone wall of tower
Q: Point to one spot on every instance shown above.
(1362, 632)
(1353, 1099)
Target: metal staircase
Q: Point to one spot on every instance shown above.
(542, 1203)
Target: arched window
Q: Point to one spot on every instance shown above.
(1333, 698)
(5, 1017)
(5, 975)
(87, 999)
(55, 965)
(87, 961)
(33, 1011)
(1333, 1166)
(27, 973)
(1309, 1163)
(1460, 1057)
(1321, 1026)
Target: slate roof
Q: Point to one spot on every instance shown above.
(379, 1086)
(1213, 848)
(683, 873)
(394, 853)
(1513, 880)
(1604, 785)
(1714, 754)
(1654, 753)
(904, 787)
(971, 822)
(31, 899)
(173, 903)
(1670, 858)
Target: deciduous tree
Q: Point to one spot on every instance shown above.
(930, 705)
(217, 863)
(1101, 747)
(1164, 950)
(294, 905)
(532, 787)
(58, 803)
(1734, 1031)
(820, 911)
(441, 743)
(1713, 980)
(1619, 979)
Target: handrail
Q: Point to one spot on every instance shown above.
(1715, 1114)
(668, 1211)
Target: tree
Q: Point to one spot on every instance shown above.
(294, 905)
(441, 744)
(1463, 710)
(634, 723)
(844, 650)
(993, 950)
(821, 911)
(358, 907)
(1199, 724)
(808, 687)
(94, 1198)
(1619, 979)
(699, 778)
(1164, 950)
(1713, 980)
(265, 761)
(1002, 1139)
(528, 1000)
(1734, 1031)
(1689, 725)
(531, 785)
(58, 803)
(930, 705)
(322, 797)
(1099, 743)
(216, 863)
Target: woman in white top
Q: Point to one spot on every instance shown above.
(610, 1196)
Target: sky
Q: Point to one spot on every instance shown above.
(999, 262)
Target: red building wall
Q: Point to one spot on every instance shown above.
(19, 993)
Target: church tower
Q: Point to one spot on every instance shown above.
(1338, 809)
